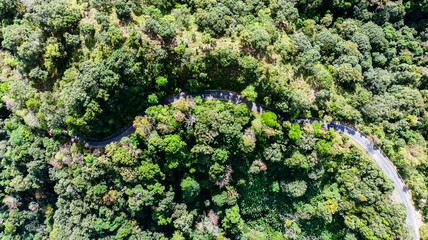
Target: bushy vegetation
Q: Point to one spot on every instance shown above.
(204, 170)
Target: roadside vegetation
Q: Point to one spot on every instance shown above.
(212, 169)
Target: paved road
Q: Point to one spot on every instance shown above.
(383, 161)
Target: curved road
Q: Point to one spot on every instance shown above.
(383, 161)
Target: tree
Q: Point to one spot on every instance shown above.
(297, 160)
(15, 35)
(87, 30)
(150, 172)
(323, 212)
(424, 232)
(250, 93)
(190, 189)
(123, 9)
(183, 219)
(29, 54)
(99, 190)
(217, 172)
(161, 81)
(153, 98)
(374, 32)
(247, 144)
(274, 153)
(269, 119)
(155, 143)
(260, 38)
(302, 42)
(173, 144)
(308, 59)
(167, 29)
(121, 155)
(216, 20)
(327, 42)
(220, 155)
(142, 125)
(20, 136)
(8, 8)
(347, 27)
(38, 75)
(164, 5)
(377, 79)
(294, 189)
(232, 222)
(362, 12)
(347, 74)
(71, 41)
(52, 55)
(323, 147)
(317, 127)
(363, 42)
(285, 13)
(152, 25)
(323, 77)
(56, 16)
(295, 132)
(392, 12)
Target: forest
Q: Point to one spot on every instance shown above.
(210, 169)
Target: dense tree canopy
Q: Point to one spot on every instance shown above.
(205, 170)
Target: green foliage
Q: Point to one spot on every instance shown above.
(8, 8)
(161, 81)
(250, 93)
(324, 78)
(121, 155)
(14, 35)
(20, 136)
(423, 231)
(224, 198)
(190, 189)
(52, 55)
(297, 160)
(323, 147)
(295, 132)
(317, 127)
(173, 144)
(232, 222)
(87, 30)
(284, 13)
(269, 119)
(209, 169)
(373, 32)
(56, 16)
(217, 171)
(294, 189)
(347, 74)
(28, 54)
(99, 190)
(215, 20)
(39, 75)
(274, 153)
(247, 144)
(149, 171)
(123, 9)
(377, 79)
(153, 98)
(220, 155)
(89, 158)
(260, 38)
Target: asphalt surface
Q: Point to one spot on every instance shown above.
(383, 161)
